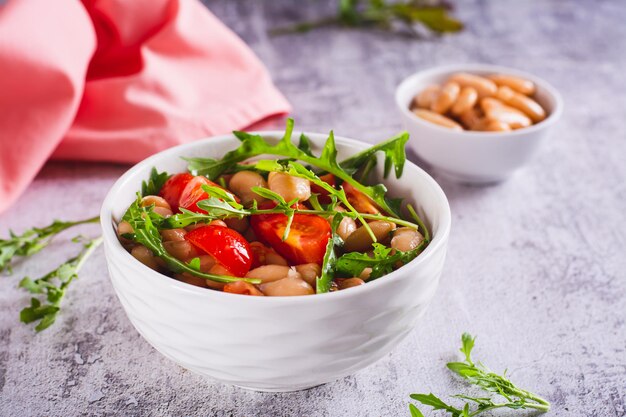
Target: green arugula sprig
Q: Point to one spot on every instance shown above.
(393, 149)
(155, 182)
(322, 282)
(255, 145)
(384, 14)
(285, 206)
(382, 262)
(53, 285)
(33, 240)
(144, 222)
(220, 206)
(477, 374)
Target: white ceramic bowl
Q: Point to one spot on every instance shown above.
(274, 343)
(475, 157)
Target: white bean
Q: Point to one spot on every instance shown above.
(270, 273)
(360, 240)
(406, 239)
(145, 256)
(241, 184)
(309, 272)
(289, 187)
(289, 286)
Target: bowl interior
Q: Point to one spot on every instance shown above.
(415, 185)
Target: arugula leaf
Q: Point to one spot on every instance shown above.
(477, 374)
(186, 218)
(219, 205)
(385, 15)
(322, 283)
(145, 232)
(435, 402)
(395, 155)
(415, 412)
(222, 194)
(271, 195)
(467, 344)
(155, 183)
(194, 264)
(53, 285)
(33, 240)
(366, 169)
(281, 204)
(254, 145)
(305, 145)
(382, 261)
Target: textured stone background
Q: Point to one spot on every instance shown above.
(536, 266)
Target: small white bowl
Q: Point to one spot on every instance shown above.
(275, 343)
(468, 156)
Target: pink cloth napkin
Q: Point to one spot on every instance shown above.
(117, 80)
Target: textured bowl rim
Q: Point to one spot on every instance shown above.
(545, 86)
(110, 237)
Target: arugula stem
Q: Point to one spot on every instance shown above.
(89, 249)
(541, 402)
(354, 215)
(419, 222)
(540, 407)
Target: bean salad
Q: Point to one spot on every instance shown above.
(299, 224)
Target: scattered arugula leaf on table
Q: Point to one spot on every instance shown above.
(477, 374)
(53, 285)
(384, 14)
(33, 240)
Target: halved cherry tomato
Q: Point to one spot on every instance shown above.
(227, 246)
(173, 188)
(322, 193)
(193, 193)
(307, 237)
(361, 202)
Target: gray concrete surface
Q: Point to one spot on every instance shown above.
(536, 266)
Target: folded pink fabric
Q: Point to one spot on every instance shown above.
(117, 80)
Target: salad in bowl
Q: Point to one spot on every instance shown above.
(211, 246)
(298, 225)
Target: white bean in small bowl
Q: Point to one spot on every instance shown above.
(471, 156)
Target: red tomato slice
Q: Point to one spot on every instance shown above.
(307, 237)
(173, 188)
(361, 202)
(227, 246)
(322, 193)
(193, 193)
